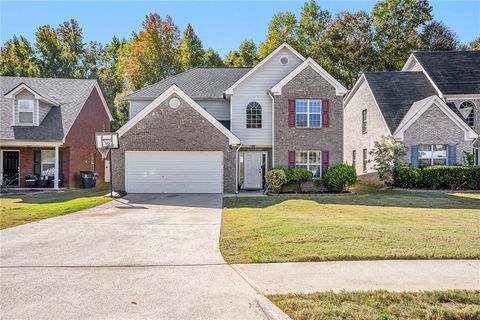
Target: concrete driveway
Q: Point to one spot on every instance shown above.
(146, 256)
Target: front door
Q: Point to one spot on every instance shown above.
(10, 168)
(253, 170)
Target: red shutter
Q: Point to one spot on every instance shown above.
(325, 161)
(325, 113)
(291, 113)
(291, 159)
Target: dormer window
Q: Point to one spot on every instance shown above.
(25, 111)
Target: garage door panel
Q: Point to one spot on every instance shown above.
(174, 172)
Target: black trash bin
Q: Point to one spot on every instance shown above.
(87, 179)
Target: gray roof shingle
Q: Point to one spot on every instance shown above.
(197, 83)
(395, 92)
(453, 72)
(70, 93)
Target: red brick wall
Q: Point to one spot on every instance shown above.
(81, 140)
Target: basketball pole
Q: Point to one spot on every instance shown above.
(111, 176)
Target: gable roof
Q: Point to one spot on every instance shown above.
(395, 92)
(452, 72)
(340, 90)
(174, 89)
(284, 45)
(69, 96)
(22, 86)
(419, 107)
(198, 83)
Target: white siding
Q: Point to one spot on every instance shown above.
(137, 106)
(220, 109)
(43, 111)
(255, 88)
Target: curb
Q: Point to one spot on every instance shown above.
(270, 310)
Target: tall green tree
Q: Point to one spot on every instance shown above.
(347, 46)
(245, 56)
(398, 25)
(211, 58)
(283, 28)
(18, 58)
(154, 52)
(60, 50)
(311, 27)
(191, 49)
(436, 36)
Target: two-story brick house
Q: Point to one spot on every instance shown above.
(216, 130)
(432, 106)
(47, 129)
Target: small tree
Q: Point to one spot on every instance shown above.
(387, 154)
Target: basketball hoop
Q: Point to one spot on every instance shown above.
(105, 141)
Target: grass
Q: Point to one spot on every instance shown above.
(381, 305)
(375, 224)
(17, 209)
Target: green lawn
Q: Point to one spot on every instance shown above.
(20, 209)
(381, 305)
(374, 224)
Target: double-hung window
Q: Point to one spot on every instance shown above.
(308, 113)
(48, 162)
(25, 111)
(310, 160)
(354, 158)
(432, 155)
(365, 160)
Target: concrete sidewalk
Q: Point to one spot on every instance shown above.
(393, 275)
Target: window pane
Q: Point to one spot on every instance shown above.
(314, 120)
(439, 151)
(301, 166)
(315, 169)
(439, 162)
(301, 106)
(48, 169)
(25, 105)
(48, 156)
(315, 106)
(314, 157)
(424, 162)
(301, 157)
(25, 117)
(424, 151)
(301, 120)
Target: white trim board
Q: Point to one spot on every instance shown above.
(340, 90)
(229, 91)
(22, 86)
(419, 107)
(29, 143)
(173, 89)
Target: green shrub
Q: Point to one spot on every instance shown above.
(339, 177)
(406, 177)
(283, 168)
(438, 177)
(296, 175)
(275, 179)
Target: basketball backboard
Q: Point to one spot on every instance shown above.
(106, 140)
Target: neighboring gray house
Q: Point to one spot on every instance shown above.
(432, 106)
(220, 129)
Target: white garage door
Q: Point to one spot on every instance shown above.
(173, 172)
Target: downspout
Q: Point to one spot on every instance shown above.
(273, 128)
(237, 167)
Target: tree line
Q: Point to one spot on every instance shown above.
(346, 45)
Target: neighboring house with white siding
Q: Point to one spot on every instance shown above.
(432, 106)
(287, 110)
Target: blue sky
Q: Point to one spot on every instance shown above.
(220, 25)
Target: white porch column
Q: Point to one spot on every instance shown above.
(57, 165)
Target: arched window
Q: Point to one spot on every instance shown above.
(467, 109)
(254, 115)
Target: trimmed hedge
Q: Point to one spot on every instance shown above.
(438, 177)
(339, 177)
(275, 179)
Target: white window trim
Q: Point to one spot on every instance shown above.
(32, 112)
(432, 158)
(365, 121)
(308, 160)
(365, 160)
(308, 113)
